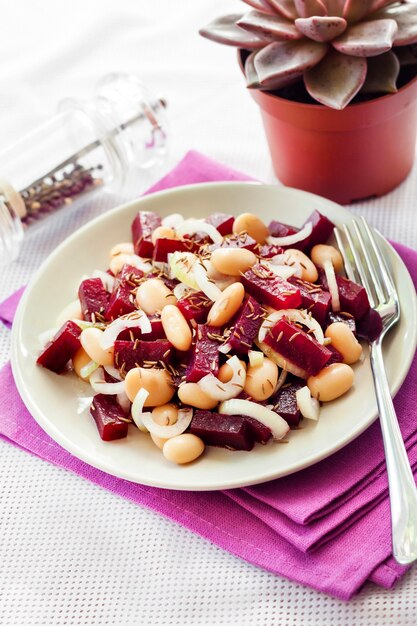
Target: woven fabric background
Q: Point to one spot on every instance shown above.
(72, 553)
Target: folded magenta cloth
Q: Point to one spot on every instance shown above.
(327, 526)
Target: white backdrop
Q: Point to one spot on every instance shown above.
(72, 553)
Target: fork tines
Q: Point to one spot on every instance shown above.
(364, 260)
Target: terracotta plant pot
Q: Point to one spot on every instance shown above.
(362, 151)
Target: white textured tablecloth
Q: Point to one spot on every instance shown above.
(71, 553)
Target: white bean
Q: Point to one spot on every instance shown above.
(331, 382)
(261, 380)
(176, 328)
(153, 295)
(90, 341)
(183, 448)
(156, 381)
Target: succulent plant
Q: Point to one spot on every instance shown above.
(338, 47)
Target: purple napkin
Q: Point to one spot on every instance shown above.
(327, 527)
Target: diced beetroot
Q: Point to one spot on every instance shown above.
(353, 297)
(314, 299)
(245, 327)
(261, 433)
(346, 318)
(298, 347)
(221, 221)
(322, 230)
(284, 402)
(225, 431)
(205, 355)
(122, 301)
(270, 289)
(61, 348)
(236, 241)
(142, 228)
(93, 298)
(278, 229)
(109, 417)
(163, 247)
(130, 275)
(130, 354)
(336, 356)
(267, 251)
(369, 327)
(195, 307)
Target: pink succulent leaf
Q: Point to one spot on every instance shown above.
(334, 7)
(406, 56)
(336, 79)
(367, 39)
(261, 5)
(406, 17)
(321, 28)
(279, 60)
(357, 9)
(308, 8)
(269, 26)
(285, 8)
(224, 30)
(252, 80)
(382, 74)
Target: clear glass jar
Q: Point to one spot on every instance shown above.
(87, 145)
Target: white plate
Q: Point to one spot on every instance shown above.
(60, 403)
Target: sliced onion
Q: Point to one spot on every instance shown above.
(332, 284)
(113, 372)
(256, 358)
(225, 348)
(137, 319)
(182, 290)
(83, 324)
(226, 282)
(284, 271)
(281, 361)
(301, 316)
(191, 226)
(99, 384)
(124, 402)
(289, 240)
(107, 280)
(88, 369)
(271, 419)
(281, 381)
(207, 287)
(161, 266)
(166, 432)
(182, 267)
(137, 409)
(309, 407)
(217, 390)
(172, 221)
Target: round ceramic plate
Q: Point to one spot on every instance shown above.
(60, 404)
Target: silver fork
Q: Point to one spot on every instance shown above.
(365, 264)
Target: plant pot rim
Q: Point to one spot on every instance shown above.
(316, 107)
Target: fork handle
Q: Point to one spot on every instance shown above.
(402, 488)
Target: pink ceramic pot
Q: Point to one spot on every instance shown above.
(362, 151)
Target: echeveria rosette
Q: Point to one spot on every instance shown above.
(338, 47)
